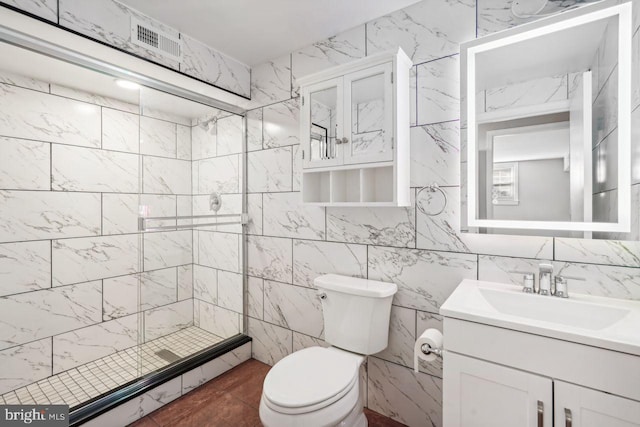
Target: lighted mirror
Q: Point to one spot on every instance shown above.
(547, 108)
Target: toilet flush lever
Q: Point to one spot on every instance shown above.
(322, 295)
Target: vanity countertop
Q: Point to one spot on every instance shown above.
(602, 322)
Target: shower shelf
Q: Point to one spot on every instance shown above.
(243, 218)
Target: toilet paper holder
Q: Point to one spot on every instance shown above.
(427, 349)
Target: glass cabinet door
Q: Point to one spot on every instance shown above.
(368, 115)
(322, 130)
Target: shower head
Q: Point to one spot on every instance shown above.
(208, 124)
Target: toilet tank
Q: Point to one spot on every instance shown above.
(356, 312)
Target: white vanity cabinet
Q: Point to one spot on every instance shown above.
(354, 133)
(491, 395)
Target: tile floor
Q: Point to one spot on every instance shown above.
(231, 399)
(92, 379)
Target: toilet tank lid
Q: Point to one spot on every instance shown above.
(355, 286)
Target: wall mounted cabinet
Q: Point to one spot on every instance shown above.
(354, 130)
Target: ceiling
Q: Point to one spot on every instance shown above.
(254, 31)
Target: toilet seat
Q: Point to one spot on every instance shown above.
(311, 379)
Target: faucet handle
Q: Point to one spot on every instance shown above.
(562, 287)
(528, 281)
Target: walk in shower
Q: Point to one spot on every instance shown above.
(121, 236)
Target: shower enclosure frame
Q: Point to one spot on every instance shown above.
(117, 396)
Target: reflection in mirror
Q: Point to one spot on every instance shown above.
(323, 124)
(368, 115)
(547, 126)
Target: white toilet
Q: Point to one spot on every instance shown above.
(321, 386)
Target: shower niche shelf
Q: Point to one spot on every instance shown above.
(354, 133)
(372, 185)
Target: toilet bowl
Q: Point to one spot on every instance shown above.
(317, 386)
(314, 387)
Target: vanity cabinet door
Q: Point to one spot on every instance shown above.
(577, 406)
(321, 124)
(368, 109)
(482, 394)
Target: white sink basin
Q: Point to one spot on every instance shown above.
(598, 321)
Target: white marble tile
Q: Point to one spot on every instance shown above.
(601, 280)
(81, 346)
(373, 226)
(120, 131)
(281, 124)
(533, 92)
(35, 315)
(214, 368)
(168, 319)
(166, 176)
(29, 215)
(217, 320)
(270, 258)
(270, 342)
(284, 215)
(230, 290)
(605, 118)
(219, 250)
(402, 337)
(255, 297)
(23, 81)
(167, 249)
(302, 341)
(24, 364)
(269, 170)
(183, 142)
(140, 406)
(92, 98)
(231, 204)
(33, 115)
(336, 50)
(413, 96)
(24, 164)
(438, 90)
(399, 393)
(205, 284)
(119, 213)
(185, 282)
(271, 81)
(425, 279)
(254, 209)
(593, 251)
(220, 174)
(93, 258)
(438, 222)
(88, 169)
(508, 245)
(120, 296)
(435, 154)
(312, 259)
(254, 130)
(24, 267)
(158, 288)
(607, 53)
(109, 21)
(506, 269)
(207, 64)
(158, 137)
(424, 322)
(203, 141)
(297, 168)
(293, 307)
(229, 136)
(155, 205)
(425, 30)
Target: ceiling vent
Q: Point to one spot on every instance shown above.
(145, 35)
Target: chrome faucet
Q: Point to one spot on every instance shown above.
(546, 271)
(528, 281)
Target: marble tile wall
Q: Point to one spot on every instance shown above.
(289, 244)
(78, 281)
(108, 21)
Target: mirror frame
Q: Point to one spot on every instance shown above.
(559, 22)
